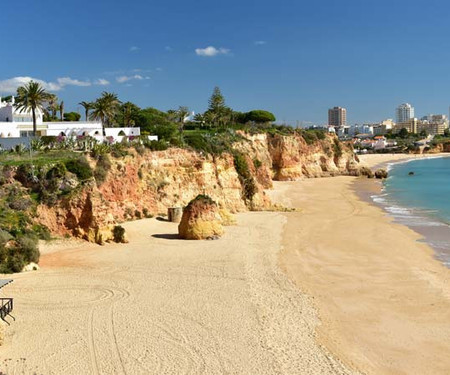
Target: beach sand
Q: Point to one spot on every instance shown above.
(280, 293)
(383, 300)
(159, 305)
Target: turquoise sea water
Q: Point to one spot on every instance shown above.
(421, 200)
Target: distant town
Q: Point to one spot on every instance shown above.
(383, 135)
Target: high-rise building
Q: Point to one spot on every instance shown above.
(337, 116)
(404, 113)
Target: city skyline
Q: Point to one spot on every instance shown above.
(264, 57)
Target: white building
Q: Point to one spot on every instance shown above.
(404, 112)
(14, 124)
(9, 113)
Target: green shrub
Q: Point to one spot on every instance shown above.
(14, 258)
(146, 213)
(80, 167)
(118, 150)
(309, 137)
(25, 174)
(4, 237)
(156, 145)
(247, 181)
(42, 232)
(203, 198)
(119, 234)
(99, 149)
(140, 149)
(101, 169)
(337, 148)
(28, 249)
(19, 203)
(257, 163)
(259, 116)
(58, 171)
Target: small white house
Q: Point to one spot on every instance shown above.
(9, 113)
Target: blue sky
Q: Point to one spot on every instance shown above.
(294, 58)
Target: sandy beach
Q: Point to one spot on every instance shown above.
(336, 288)
(159, 305)
(383, 300)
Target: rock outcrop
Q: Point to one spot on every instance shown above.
(381, 173)
(201, 220)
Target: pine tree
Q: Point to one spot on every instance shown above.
(216, 102)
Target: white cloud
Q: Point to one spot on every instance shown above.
(9, 86)
(168, 48)
(123, 79)
(134, 48)
(65, 81)
(211, 51)
(260, 42)
(101, 82)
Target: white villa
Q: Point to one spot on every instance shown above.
(19, 125)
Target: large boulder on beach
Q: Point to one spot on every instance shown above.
(227, 217)
(381, 173)
(201, 220)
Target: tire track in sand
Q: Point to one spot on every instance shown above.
(117, 294)
(91, 343)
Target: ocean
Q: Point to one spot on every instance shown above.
(417, 194)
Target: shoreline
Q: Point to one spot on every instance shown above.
(368, 189)
(382, 297)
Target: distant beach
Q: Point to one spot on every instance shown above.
(429, 219)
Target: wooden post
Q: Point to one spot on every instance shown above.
(174, 214)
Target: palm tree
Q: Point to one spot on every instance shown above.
(87, 107)
(32, 97)
(52, 105)
(129, 112)
(61, 110)
(182, 115)
(105, 108)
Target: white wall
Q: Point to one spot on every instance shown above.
(8, 129)
(9, 114)
(128, 132)
(74, 129)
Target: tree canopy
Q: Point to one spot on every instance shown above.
(72, 116)
(260, 116)
(31, 97)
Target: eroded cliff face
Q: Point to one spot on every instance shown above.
(144, 185)
(288, 158)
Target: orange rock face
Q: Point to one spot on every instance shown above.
(143, 185)
(201, 220)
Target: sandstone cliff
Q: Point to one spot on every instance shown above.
(142, 185)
